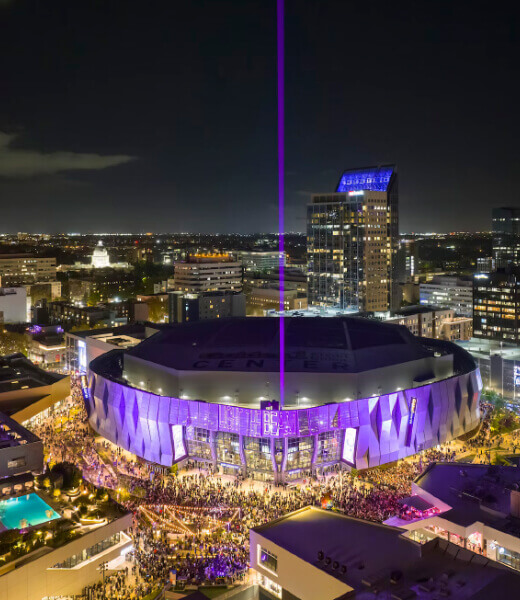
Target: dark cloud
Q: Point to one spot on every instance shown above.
(20, 163)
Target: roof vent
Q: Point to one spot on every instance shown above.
(343, 569)
(321, 555)
(328, 560)
(335, 565)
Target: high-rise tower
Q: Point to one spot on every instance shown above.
(506, 236)
(352, 242)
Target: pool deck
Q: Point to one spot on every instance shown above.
(42, 506)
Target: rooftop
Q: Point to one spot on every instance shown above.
(381, 563)
(13, 434)
(376, 179)
(483, 348)
(18, 372)
(361, 344)
(134, 330)
(475, 493)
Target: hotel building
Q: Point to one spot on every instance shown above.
(506, 236)
(208, 273)
(21, 269)
(352, 242)
(496, 305)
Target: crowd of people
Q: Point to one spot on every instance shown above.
(214, 513)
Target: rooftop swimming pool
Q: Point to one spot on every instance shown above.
(25, 511)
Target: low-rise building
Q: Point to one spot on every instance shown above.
(208, 273)
(13, 305)
(22, 269)
(63, 570)
(70, 315)
(84, 346)
(499, 365)
(184, 307)
(261, 261)
(456, 328)
(268, 298)
(433, 322)
(473, 506)
(28, 392)
(21, 453)
(315, 554)
(447, 291)
(46, 346)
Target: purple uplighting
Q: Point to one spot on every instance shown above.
(388, 427)
(281, 150)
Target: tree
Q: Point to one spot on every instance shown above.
(70, 474)
(93, 298)
(11, 342)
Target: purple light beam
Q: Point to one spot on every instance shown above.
(281, 156)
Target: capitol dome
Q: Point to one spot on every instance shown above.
(100, 257)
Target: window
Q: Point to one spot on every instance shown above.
(83, 555)
(299, 453)
(267, 560)
(16, 462)
(271, 586)
(509, 557)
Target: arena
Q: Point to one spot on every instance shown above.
(355, 392)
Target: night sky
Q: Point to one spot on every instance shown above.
(161, 116)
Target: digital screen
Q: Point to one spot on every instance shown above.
(82, 357)
(178, 442)
(349, 445)
(411, 419)
(517, 375)
(84, 387)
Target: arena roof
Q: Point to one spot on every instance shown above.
(359, 344)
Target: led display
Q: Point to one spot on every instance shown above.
(349, 445)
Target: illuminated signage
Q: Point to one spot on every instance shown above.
(82, 356)
(356, 193)
(178, 442)
(411, 419)
(349, 445)
(517, 375)
(270, 423)
(481, 276)
(84, 387)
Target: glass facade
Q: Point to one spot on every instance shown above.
(352, 240)
(258, 454)
(87, 553)
(271, 586)
(509, 557)
(427, 533)
(228, 448)
(496, 300)
(299, 453)
(198, 442)
(329, 445)
(267, 560)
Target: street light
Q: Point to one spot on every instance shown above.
(103, 567)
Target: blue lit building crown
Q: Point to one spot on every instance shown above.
(375, 179)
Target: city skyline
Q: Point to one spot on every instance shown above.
(131, 119)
